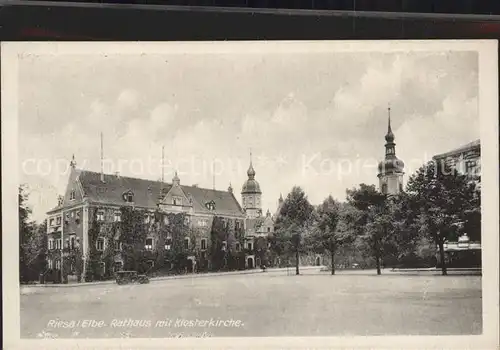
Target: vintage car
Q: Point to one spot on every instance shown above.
(124, 277)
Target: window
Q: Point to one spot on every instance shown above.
(168, 243)
(203, 222)
(58, 264)
(118, 245)
(203, 244)
(384, 188)
(51, 222)
(66, 243)
(268, 229)
(149, 244)
(100, 244)
(59, 243)
(72, 214)
(66, 217)
(50, 264)
(102, 265)
(147, 219)
(100, 215)
(250, 246)
(224, 245)
(186, 243)
(469, 166)
(186, 221)
(237, 225)
(58, 221)
(176, 200)
(210, 205)
(118, 216)
(72, 195)
(72, 242)
(238, 247)
(128, 197)
(77, 217)
(51, 244)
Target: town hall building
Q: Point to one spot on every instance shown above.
(97, 195)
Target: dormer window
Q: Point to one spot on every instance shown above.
(72, 195)
(210, 205)
(128, 197)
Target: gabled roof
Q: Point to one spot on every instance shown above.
(147, 193)
(467, 147)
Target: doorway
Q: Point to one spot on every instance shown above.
(250, 263)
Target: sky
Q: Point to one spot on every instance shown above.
(316, 120)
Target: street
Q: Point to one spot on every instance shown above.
(264, 304)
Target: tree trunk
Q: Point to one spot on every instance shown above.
(333, 261)
(441, 258)
(377, 261)
(297, 261)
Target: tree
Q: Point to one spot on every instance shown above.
(330, 233)
(26, 231)
(218, 250)
(35, 251)
(378, 232)
(444, 198)
(372, 220)
(294, 221)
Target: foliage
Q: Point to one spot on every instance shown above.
(444, 198)
(295, 221)
(175, 229)
(373, 221)
(330, 232)
(92, 258)
(31, 260)
(219, 252)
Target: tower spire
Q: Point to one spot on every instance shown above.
(389, 137)
(389, 130)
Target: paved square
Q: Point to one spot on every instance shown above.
(265, 304)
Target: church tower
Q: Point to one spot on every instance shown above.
(390, 170)
(251, 194)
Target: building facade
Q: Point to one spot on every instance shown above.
(391, 169)
(92, 196)
(466, 160)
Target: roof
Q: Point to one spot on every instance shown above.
(147, 193)
(467, 147)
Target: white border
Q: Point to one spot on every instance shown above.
(488, 109)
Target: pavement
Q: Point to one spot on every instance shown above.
(275, 303)
(290, 270)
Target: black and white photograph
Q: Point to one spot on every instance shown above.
(251, 190)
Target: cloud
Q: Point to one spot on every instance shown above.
(328, 108)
